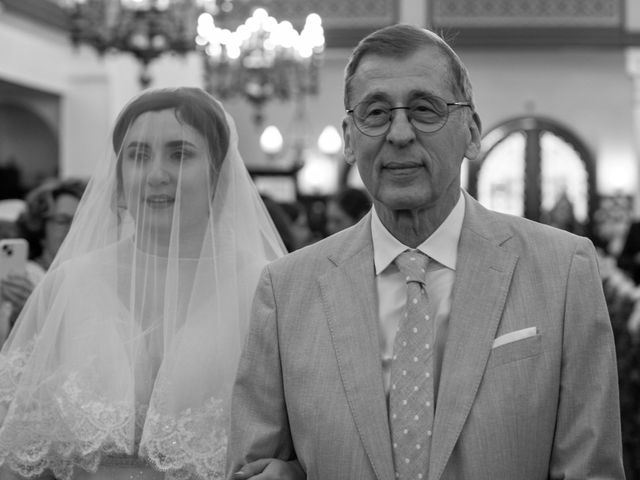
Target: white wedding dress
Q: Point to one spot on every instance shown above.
(122, 362)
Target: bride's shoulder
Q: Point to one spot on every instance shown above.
(88, 263)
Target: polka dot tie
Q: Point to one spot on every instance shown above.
(411, 394)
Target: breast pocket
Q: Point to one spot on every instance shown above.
(514, 351)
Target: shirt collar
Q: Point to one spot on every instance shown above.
(442, 245)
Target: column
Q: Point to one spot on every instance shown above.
(85, 123)
(413, 12)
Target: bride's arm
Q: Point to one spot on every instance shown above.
(270, 469)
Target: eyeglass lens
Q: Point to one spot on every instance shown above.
(426, 114)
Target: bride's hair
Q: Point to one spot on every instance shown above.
(192, 106)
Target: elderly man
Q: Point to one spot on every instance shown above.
(434, 339)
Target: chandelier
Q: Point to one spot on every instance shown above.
(145, 28)
(262, 59)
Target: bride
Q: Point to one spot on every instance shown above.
(122, 362)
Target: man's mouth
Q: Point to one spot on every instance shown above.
(399, 167)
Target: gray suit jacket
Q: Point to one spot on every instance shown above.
(310, 384)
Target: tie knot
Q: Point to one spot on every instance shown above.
(413, 265)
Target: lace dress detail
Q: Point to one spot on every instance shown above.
(10, 370)
(60, 428)
(99, 424)
(191, 445)
(83, 428)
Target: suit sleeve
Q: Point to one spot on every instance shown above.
(587, 442)
(259, 425)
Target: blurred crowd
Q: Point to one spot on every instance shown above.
(616, 236)
(43, 219)
(305, 222)
(44, 215)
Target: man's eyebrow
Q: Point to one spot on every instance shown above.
(382, 96)
(375, 97)
(416, 93)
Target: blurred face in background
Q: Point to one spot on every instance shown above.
(337, 218)
(57, 223)
(301, 230)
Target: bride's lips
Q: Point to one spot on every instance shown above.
(159, 201)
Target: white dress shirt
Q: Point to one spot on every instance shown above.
(442, 249)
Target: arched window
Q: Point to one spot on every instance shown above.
(527, 164)
(28, 150)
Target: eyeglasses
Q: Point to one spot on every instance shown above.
(427, 114)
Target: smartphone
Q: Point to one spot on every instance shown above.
(13, 256)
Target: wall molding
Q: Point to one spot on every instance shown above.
(44, 12)
(345, 25)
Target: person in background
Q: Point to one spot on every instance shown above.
(17, 286)
(629, 257)
(562, 215)
(282, 222)
(48, 214)
(346, 208)
(44, 222)
(611, 225)
(434, 339)
(299, 224)
(121, 363)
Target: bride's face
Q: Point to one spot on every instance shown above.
(165, 164)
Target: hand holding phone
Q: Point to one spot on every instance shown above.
(13, 256)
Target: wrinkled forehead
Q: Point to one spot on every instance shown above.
(427, 70)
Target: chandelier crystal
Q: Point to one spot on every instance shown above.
(262, 59)
(146, 29)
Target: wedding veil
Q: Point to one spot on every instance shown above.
(130, 343)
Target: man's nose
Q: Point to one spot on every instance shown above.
(401, 132)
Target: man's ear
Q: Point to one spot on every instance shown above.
(349, 155)
(475, 131)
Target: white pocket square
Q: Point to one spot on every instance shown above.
(513, 336)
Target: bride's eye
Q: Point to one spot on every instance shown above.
(138, 155)
(181, 154)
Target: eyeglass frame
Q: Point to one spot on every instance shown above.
(350, 111)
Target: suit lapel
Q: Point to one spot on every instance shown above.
(483, 275)
(350, 304)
